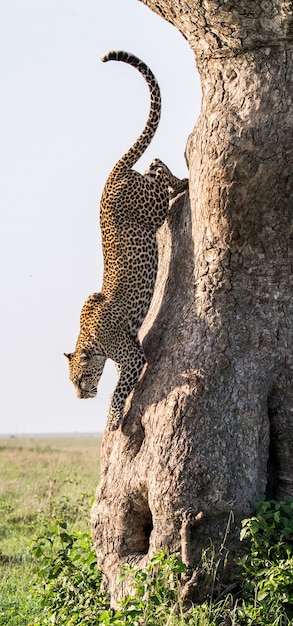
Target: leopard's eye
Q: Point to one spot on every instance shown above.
(100, 355)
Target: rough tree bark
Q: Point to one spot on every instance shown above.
(210, 424)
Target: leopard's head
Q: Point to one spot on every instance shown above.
(86, 364)
(85, 370)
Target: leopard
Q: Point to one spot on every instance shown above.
(133, 207)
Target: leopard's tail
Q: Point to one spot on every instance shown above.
(138, 148)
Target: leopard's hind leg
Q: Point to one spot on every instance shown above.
(161, 172)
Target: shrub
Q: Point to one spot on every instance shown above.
(267, 566)
(70, 582)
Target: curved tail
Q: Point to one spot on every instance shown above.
(135, 152)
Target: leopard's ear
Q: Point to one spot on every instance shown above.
(67, 356)
(98, 297)
(84, 357)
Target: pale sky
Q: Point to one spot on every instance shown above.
(65, 120)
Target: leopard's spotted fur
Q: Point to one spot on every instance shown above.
(133, 207)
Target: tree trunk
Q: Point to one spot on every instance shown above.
(210, 424)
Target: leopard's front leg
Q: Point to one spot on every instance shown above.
(129, 359)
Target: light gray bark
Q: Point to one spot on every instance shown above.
(210, 425)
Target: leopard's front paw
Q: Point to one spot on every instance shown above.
(114, 418)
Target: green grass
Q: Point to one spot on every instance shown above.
(40, 478)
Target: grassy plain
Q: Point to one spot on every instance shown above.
(40, 478)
